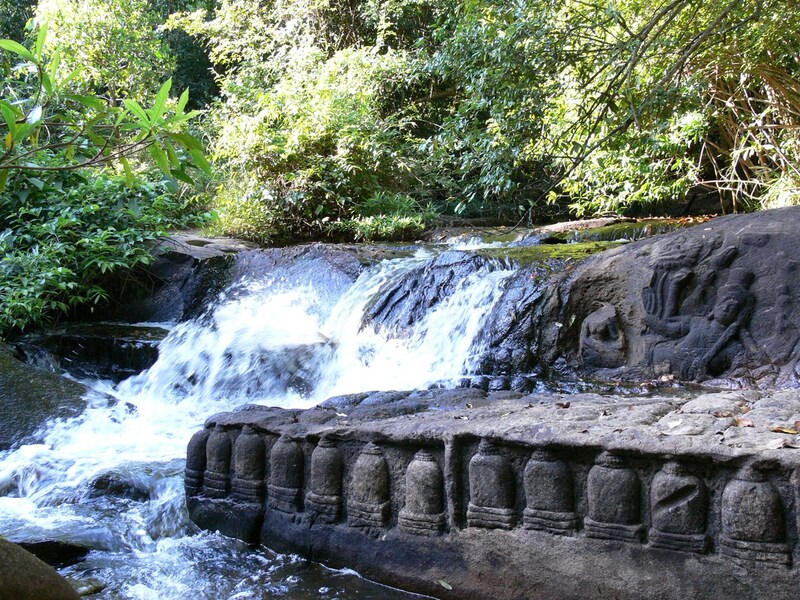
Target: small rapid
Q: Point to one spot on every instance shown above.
(110, 479)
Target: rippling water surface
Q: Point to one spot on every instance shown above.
(111, 478)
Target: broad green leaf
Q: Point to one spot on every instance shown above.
(17, 48)
(187, 141)
(10, 116)
(40, 39)
(128, 171)
(182, 176)
(137, 111)
(24, 131)
(3, 179)
(47, 84)
(182, 101)
(161, 99)
(87, 101)
(200, 161)
(160, 157)
(37, 183)
(174, 161)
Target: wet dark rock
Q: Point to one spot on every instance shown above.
(29, 396)
(716, 302)
(408, 299)
(25, 577)
(96, 350)
(120, 484)
(56, 553)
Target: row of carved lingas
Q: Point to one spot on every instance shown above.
(753, 525)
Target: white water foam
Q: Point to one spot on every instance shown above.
(264, 342)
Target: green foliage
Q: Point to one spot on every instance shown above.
(67, 232)
(47, 127)
(66, 238)
(14, 14)
(113, 46)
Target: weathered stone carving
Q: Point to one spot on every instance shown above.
(285, 475)
(324, 497)
(614, 500)
(708, 345)
(491, 489)
(678, 509)
(368, 492)
(423, 512)
(195, 463)
(248, 466)
(216, 480)
(602, 342)
(753, 522)
(548, 494)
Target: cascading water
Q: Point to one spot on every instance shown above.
(111, 479)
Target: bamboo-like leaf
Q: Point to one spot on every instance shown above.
(187, 141)
(160, 157)
(182, 176)
(200, 161)
(182, 101)
(161, 100)
(174, 161)
(129, 179)
(137, 112)
(38, 48)
(88, 101)
(10, 116)
(17, 48)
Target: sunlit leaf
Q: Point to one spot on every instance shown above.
(17, 48)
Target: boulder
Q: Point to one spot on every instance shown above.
(25, 577)
(29, 396)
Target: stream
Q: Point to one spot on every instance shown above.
(111, 479)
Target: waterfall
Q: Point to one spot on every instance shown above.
(111, 478)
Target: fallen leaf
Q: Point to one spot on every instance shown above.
(722, 414)
(746, 409)
(796, 425)
(789, 430)
(562, 404)
(444, 584)
(774, 444)
(743, 422)
(530, 405)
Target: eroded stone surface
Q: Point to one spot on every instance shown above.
(503, 495)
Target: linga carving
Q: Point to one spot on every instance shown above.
(491, 489)
(216, 479)
(195, 463)
(248, 466)
(549, 494)
(368, 502)
(423, 513)
(753, 522)
(678, 509)
(324, 497)
(614, 500)
(286, 475)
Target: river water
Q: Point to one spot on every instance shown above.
(111, 479)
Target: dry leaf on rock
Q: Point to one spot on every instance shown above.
(743, 422)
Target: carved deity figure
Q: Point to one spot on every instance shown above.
(699, 346)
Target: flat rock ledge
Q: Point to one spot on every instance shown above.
(467, 494)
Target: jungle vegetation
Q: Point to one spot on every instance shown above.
(368, 119)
